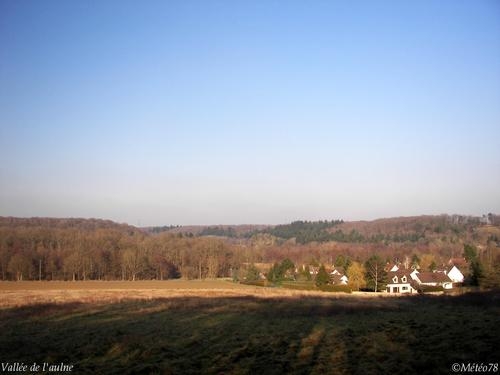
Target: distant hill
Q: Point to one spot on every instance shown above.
(410, 229)
(425, 227)
(64, 223)
(431, 223)
(210, 230)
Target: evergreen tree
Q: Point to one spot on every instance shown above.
(253, 273)
(322, 278)
(470, 253)
(286, 265)
(477, 272)
(476, 267)
(274, 274)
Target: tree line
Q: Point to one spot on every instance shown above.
(109, 254)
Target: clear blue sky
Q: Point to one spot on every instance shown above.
(233, 112)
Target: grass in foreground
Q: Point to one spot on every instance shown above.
(247, 335)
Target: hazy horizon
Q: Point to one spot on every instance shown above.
(140, 225)
(206, 113)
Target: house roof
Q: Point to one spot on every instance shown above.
(443, 269)
(433, 277)
(400, 274)
(390, 266)
(340, 270)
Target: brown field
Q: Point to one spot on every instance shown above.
(122, 285)
(15, 294)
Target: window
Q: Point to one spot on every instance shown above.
(395, 279)
(404, 288)
(403, 279)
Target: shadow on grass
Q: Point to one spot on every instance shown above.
(247, 335)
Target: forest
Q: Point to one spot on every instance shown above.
(94, 249)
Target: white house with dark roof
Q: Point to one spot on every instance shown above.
(338, 277)
(401, 281)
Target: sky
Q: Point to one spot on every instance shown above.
(264, 112)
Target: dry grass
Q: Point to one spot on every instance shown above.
(122, 285)
(32, 292)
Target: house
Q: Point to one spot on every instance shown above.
(486, 219)
(434, 279)
(337, 271)
(337, 279)
(401, 281)
(313, 270)
(455, 275)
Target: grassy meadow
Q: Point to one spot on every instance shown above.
(224, 328)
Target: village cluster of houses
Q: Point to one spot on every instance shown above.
(337, 274)
(401, 279)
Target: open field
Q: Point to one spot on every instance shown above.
(16, 294)
(184, 329)
(121, 285)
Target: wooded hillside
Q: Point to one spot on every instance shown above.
(92, 249)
